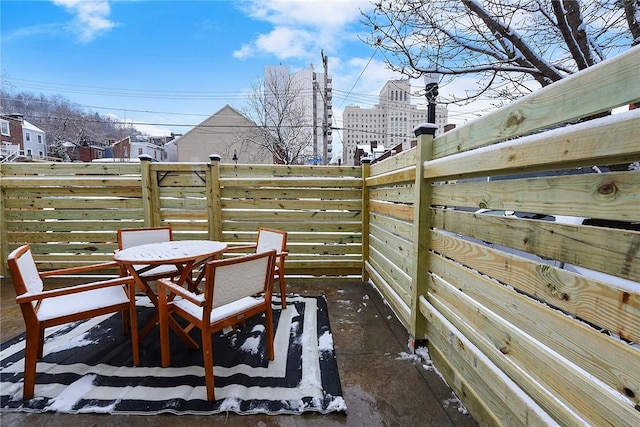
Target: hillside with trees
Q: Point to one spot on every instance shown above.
(64, 121)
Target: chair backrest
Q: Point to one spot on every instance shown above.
(141, 236)
(269, 239)
(24, 272)
(231, 279)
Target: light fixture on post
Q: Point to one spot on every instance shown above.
(431, 81)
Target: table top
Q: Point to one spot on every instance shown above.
(174, 251)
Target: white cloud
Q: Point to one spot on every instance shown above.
(91, 18)
(285, 42)
(301, 28)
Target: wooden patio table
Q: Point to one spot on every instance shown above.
(185, 255)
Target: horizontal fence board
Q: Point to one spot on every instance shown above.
(613, 362)
(279, 215)
(290, 170)
(612, 196)
(397, 194)
(395, 210)
(602, 249)
(76, 168)
(597, 142)
(36, 192)
(73, 203)
(407, 174)
(71, 215)
(292, 193)
(75, 182)
(249, 237)
(290, 226)
(393, 163)
(187, 204)
(291, 183)
(290, 204)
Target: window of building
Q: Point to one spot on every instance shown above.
(39, 139)
(139, 151)
(5, 128)
(27, 136)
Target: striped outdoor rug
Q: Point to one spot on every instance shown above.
(87, 368)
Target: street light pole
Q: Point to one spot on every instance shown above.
(431, 81)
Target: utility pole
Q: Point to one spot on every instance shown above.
(326, 99)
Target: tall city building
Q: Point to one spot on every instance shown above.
(387, 125)
(314, 91)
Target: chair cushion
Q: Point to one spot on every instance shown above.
(222, 312)
(160, 270)
(52, 308)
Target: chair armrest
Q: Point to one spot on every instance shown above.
(282, 254)
(80, 269)
(179, 290)
(241, 248)
(119, 281)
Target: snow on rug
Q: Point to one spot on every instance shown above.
(87, 368)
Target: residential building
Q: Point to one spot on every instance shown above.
(131, 147)
(21, 140)
(314, 91)
(387, 124)
(223, 133)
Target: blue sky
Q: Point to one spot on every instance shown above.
(171, 64)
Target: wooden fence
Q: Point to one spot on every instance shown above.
(520, 338)
(70, 213)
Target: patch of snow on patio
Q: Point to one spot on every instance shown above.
(337, 404)
(66, 400)
(251, 345)
(230, 404)
(75, 342)
(325, 342)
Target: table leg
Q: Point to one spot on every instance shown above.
(173, 323)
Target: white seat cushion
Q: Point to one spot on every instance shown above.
(222, 312)
(55, 307)
(164, 269)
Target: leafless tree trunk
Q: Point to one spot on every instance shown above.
(277, 106)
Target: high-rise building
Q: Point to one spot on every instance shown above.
(314, 92)
(388, 124)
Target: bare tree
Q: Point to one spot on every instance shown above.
(66, 124)
(277, 105)
(512, 47)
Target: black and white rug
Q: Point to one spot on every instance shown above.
(87, 368)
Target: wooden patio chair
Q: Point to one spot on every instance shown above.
(129, 237)
(267, 240)
(235, 289)
(44, 308)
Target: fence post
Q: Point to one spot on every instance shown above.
(421, 232)
(150, 198)
(366, 171)
(214, 203)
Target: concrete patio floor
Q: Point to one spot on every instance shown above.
(380, 387)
